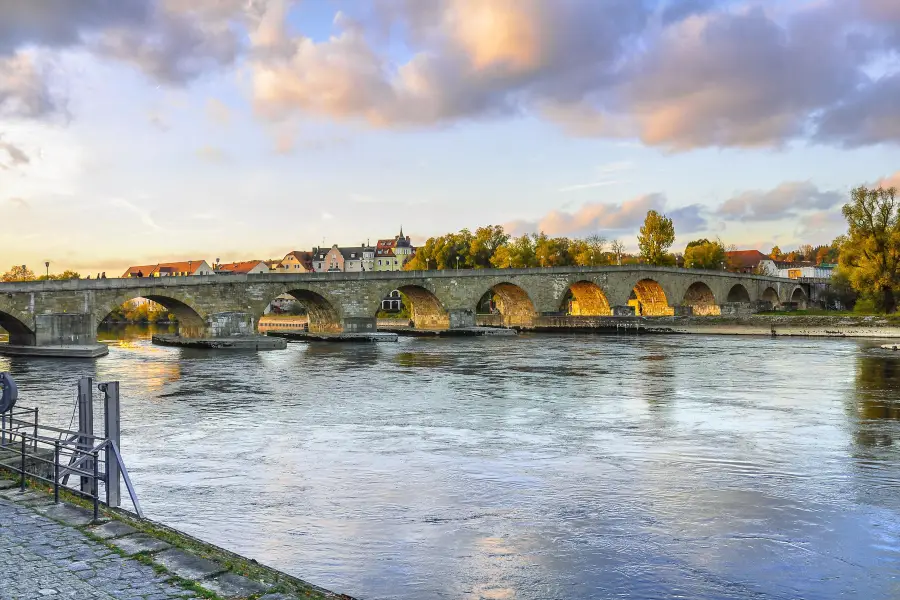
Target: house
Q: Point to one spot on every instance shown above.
(360, 258)
(750, 261)
(247, 267)
(392, 254)
(806, 270)
(296, 261)
(329, 260)
(171, 269)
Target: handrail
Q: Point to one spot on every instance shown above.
(83, 453)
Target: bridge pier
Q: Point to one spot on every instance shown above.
(623, 311)
(66, 335)
(461, 318)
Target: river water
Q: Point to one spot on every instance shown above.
(536, 467)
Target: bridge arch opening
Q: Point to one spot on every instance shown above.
(771, 296)
(426, 311)
(701, 299)
(19, 333)
(509, 301)
(798, 297)
(321, 316)
(585, 299)
(154, 309)
(738, 293)
(649, 299)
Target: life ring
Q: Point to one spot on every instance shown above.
(9, 393)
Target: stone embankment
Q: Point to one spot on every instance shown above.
(50, 550)
(769, 325)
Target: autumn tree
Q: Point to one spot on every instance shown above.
(807, 252)
(656, 237)
(18, 273)
(589, 252)
(870, 257)
(703, 254)
(617, 249)
(484, 244)
(775, 254)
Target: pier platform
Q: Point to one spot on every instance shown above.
(254, 342)
(89, 351)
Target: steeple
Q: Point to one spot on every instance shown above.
(401, 232)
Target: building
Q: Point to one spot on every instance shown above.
(356, 259)
(805, 271)
(392, 254)
(296, 261)
(171, 269)
(750, 261)
(328, 260)
(247, 267)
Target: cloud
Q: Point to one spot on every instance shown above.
(18, 203)
(213, 154)
(821, 226)
(142, 213)
(17, 156)
(891, 181)
(24, 90)
(602, 217)
(218, 112)
(784, 201)
(585, 186)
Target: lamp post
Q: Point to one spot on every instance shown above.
(457, 263)
(427, 264)
(47, 264)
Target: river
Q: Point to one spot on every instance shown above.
(537, 467)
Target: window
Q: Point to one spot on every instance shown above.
(379, 262)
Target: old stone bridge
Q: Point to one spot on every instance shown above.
(48, 313)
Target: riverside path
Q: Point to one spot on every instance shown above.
(43, 559)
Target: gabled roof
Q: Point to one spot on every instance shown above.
(744, 259)
(353, 252)
(185, 266)
(241, 267)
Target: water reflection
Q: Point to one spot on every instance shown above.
(528, 468)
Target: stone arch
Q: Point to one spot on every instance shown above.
(798, 297)
(738, 293)
(701, 299)
(20, 334)
(513, 303)
(426, 310)
(585, 299)
(321, 314)
(770, 296)
(649, 299)
(191, 322)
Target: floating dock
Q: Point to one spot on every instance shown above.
(88, 351)
(250, 342)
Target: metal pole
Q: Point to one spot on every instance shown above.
(85, 423)
(96, 488)
(56, 472)
(35, 429)
(22, 465)
(112, 433)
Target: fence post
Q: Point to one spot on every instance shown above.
(35, 428)
(96, 487)
(22, 465)
(112, 432)
(56, 471)
(85, 424)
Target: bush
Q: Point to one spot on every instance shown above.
(865, 306)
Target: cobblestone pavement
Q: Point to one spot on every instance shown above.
(40, 558)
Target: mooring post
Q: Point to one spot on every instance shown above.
(113, 434)
(85, 426)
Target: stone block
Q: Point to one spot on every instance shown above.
(623, 311)
(139, 542)
(231, 585)
(112, 529)
(187, 566)
(68, 514)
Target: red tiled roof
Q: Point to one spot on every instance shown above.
(239, 267)
(186, 266)
(745, 259)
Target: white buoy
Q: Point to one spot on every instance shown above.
(891, 346)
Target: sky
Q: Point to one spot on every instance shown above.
(140, 131)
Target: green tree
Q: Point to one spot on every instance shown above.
(590, 251)
(484, 244)
(656, 237)
(552, 252)
(703, 254)
(18, 273)
(870, 257)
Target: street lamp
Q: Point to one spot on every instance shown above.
(427, 264)
(47, 264)
(457, 263)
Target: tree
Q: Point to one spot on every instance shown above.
(704, 254)
(656, 237)
(18, 273)
(588, 252)
(617, 248)
(518, 253)
(775, 254)
(485, 243)
(807, 252)
(870, 257)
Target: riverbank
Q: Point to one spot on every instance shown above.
(764, 324)
(147, 559)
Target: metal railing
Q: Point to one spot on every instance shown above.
(52, 456)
